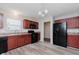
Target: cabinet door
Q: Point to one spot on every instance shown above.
(26, 24)
(28, 39)
(25, 39)
(37, 25)
(73, 41)
(73, 22)
(20, 40)
(12, 42)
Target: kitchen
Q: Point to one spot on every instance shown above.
(16, 31)
(22, 27)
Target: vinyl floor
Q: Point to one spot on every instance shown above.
(42, 48)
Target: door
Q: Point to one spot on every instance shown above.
(60, 34)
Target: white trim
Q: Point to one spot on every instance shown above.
(50, 19)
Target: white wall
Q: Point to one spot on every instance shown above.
(16, 17)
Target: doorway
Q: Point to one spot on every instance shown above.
(47, 32)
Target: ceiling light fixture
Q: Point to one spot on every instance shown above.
(39, 12)
(46, 11)
(43, 11)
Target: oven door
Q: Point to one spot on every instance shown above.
(3, 45)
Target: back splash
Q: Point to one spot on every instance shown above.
(73, 31)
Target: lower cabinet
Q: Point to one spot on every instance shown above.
(12, 42)
(20, 41)
(73, 41)
(28, 40)
(17, 41)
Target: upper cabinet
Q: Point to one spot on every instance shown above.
(72, 22)
(27, 24)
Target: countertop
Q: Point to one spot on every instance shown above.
(11, 34)
(73, 33)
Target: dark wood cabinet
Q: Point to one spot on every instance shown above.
(15, 41)
(18, 40)
(73, 41)
(12, 42)
(36, 25)
(28, 39)
(72, 22)
(27, 24)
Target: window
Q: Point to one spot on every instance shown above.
(13, 24)
(1, 20)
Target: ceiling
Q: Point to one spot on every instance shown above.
(32, 9)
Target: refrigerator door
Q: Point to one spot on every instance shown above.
(60, 34)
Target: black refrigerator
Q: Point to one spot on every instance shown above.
(60, 34)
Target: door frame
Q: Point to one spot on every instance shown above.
(49, 30)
